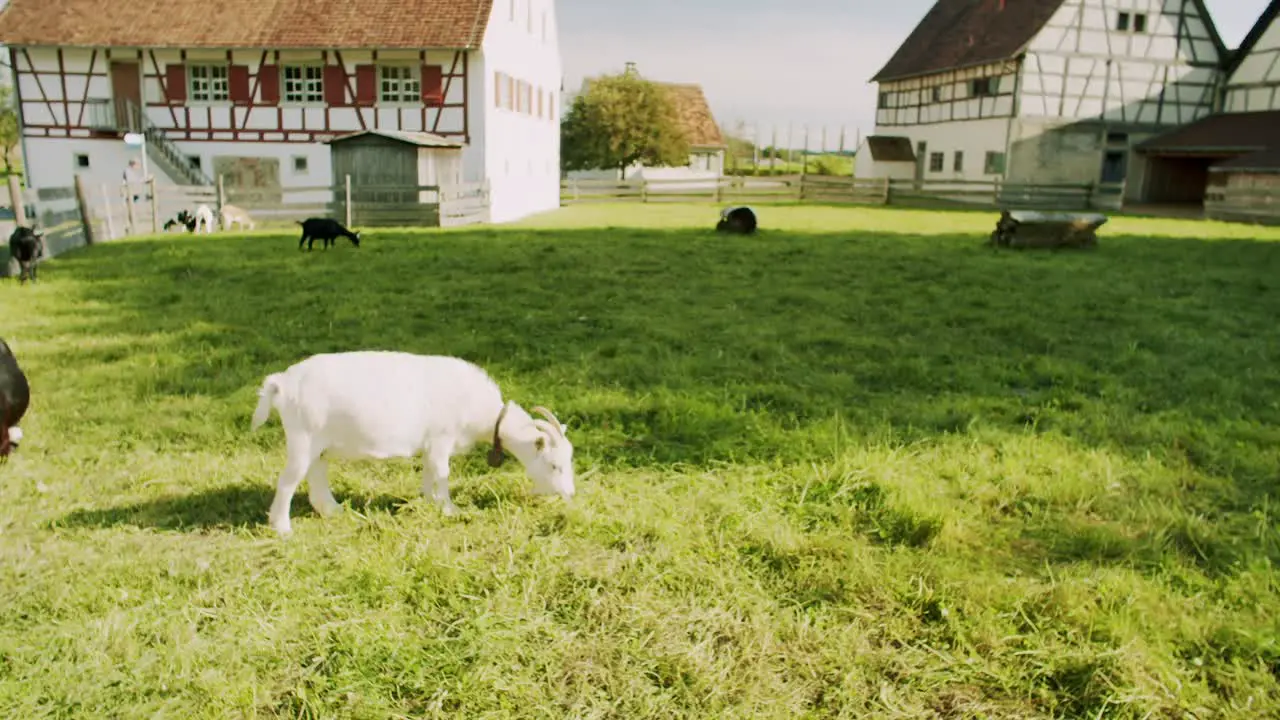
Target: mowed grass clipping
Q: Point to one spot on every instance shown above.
(858, 465)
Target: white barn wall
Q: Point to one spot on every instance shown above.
(1255, 84)
(522, 150)
(1080, 67)
(1080, 74)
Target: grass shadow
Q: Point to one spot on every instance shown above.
(239, 506)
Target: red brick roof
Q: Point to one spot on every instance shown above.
(1223, 133)
(963, 33)
(339, 24)
(960, 33)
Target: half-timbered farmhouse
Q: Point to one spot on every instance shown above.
(254, 89)
(706, 143)
(1042, 91)
(1239, 146)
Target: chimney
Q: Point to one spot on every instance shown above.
(631, 68)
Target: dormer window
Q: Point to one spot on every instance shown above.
(1135, 22)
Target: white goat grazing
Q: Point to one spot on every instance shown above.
(237, 216)
(383, 404)
(204, 216)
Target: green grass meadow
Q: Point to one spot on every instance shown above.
(858, 465)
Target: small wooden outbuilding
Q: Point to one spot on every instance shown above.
(387, 168)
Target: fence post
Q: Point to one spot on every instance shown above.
(19, 202)
(155, 205)
(800, 185)
(106, 211)
(347, 199)
(128, 206)
(888, 185)
(222, 194)
(716, 194)
(644, 190)
(82, 203)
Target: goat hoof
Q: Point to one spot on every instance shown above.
(329, 509)
(449, 510)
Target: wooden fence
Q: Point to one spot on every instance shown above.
(92, 212)
(1243, 204)
(834, 189)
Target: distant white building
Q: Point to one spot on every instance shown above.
(253, 89)
(1043, 91)
(706, 143)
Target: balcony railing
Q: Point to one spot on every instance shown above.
(112, 115)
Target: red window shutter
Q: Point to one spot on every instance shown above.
(238, 85)
(366, 85)
(175, 84)
(269, 84)
(432, 85)
(335, 86)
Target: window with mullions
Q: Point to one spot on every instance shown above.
(208, 83)
(399, 84)
(303, 84)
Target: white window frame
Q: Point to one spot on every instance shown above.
(399, 84)
(208, 83)
(302, 84)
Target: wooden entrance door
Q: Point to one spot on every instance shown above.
(126, 91)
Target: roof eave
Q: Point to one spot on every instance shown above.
(954, 68)
(180, 46)
(1268, 16)
(1203, 149)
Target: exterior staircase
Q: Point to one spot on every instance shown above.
(161, 151)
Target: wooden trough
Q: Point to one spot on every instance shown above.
(1031, 229)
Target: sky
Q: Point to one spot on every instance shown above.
(771, 62)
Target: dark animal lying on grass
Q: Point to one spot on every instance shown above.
(15, 395)
(740, 220)
(325, 229)
(26, 245)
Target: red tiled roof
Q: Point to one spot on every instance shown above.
(1224, 132)
(960, 33)
(963, 33)
(692, 110)
(339, 24)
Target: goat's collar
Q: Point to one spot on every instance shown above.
(495, 455)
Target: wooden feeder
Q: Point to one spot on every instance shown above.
(1031, 229)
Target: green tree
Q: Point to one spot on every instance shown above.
(620, 120)
(9, 136)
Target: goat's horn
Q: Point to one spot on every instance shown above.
(550, 416)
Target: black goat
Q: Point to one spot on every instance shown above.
(327, 230)
(739, 220)
(26, 245)
(15, 396)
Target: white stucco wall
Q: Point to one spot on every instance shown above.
(521, 149)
